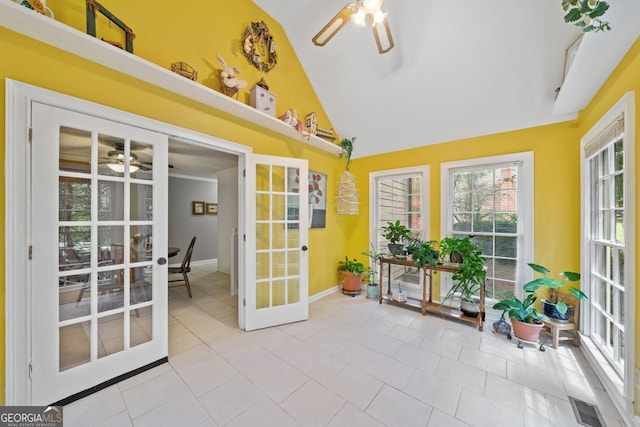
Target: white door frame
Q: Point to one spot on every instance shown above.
(19, 97)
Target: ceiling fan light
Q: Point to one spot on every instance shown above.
(119, 167)
(359, 17)
(372, 6)
(378, 17)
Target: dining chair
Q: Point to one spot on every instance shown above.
(184, 268)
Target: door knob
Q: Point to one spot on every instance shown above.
(162, 261)
(304, 248)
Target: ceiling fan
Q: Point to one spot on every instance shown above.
(116, 158)
(359, 12)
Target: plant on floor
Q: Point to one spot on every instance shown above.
(352, 271)
(525, 319)
(553, 287)
(375, 256)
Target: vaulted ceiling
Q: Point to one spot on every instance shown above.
(459, 68)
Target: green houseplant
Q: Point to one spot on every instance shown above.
(425, 253)
(471, 273)
(374, 256)
(396, 234)
(525, 319)
(554, 306)
(351, 275)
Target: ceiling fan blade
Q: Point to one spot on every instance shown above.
(338, 21)
(382, 33)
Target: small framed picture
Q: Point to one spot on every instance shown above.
(212, 208)
(197, 208)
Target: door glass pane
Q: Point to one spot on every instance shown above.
(278, 209)
(75, 150)
(262, 236)
(263, 207)
(278, 266)
(278, 236)
(140, 289)
(141, 330)
(279, 293)
(110, 200)
(110, 334)
(110, 289)
(142, 158)
(262, 178)
(141, 242)
(262, 265)
(262, 294)
(293, 238)
(140, 201)
(74, 248)
(74, 199)
(74, 298)
(75, 345)
(293, 291)
(293, 263)
(111, 155)
(278, 178)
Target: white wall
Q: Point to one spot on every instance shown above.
(183, 225)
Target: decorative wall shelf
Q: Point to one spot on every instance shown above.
(46, 30)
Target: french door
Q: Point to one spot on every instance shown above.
(98, 267)
(275, 290)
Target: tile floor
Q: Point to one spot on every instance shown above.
(353, 363)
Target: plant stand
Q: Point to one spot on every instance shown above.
(540, 343)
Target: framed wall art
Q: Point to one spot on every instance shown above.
(317, 197)
(212, 209)
(197, 208)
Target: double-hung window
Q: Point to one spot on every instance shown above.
(491, 200)
(399, 195)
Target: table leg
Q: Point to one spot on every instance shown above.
(424, 292)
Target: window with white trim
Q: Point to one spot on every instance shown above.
(399, 195)
(608, 251)
(491, 200)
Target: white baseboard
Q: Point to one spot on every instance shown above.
(325, 293)
(213, 262)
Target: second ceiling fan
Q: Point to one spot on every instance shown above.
(359, 12)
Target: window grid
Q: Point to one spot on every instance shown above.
(606, 243)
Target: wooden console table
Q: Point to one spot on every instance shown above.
(427, 305)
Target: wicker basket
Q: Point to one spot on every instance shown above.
(185, 70)
(229, 91)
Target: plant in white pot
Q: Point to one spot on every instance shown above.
(373, 289)
(553, 305)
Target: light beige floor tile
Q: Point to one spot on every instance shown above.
(153, 393)
(469, 337)
(182, 343)
(264, 414)
(290, 349)
(381, 343)
(418, 357)
(192, 358)
(313, 405)
(184, 411)
(517, 396)
(350, 416)
(560, 412)
(353, 353)
(395, 408)
(95, 408)
(436, 392)
(355, 386)
(536, 379)
(485, 361)
(442, 347)
(389, 371)
(406, 335)
(326, 340)
(209, 375)
(463, 375)
(477, 410)
(440, 419)
(120, 420)
(145, 376)
(227, 401)
(321, 367)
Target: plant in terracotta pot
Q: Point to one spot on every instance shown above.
(471, 273)
(352, 275)
(396, 234)
(554, 305)
(375, 256)
(525, 319)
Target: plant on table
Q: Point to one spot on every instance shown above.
(554, 286)
(396, 234)
(426, 253)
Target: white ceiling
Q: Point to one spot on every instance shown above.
(459, 68)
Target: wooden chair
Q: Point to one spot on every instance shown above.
(565, 331)
(185, 267)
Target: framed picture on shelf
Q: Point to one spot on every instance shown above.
(212, 208)
(197, 208)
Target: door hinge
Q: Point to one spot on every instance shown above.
(30, 134)
(30, 370)
(30, 252)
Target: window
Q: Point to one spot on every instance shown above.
(399, 195)
(490, 199)
(607, 244)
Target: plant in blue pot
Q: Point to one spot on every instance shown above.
(554, 306)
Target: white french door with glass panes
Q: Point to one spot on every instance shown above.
(99, 220)
(400, 195)
(608, 269)
(491, 200)
(276, 289)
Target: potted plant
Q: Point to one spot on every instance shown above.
(525, 320)
(352, 275)
(396, 234)
(471, 273)
(554, 306)
(375, 256)
(425, 253)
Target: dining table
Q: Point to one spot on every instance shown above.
(172, 251)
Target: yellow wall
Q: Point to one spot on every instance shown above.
(622, 80)
(204, 29)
